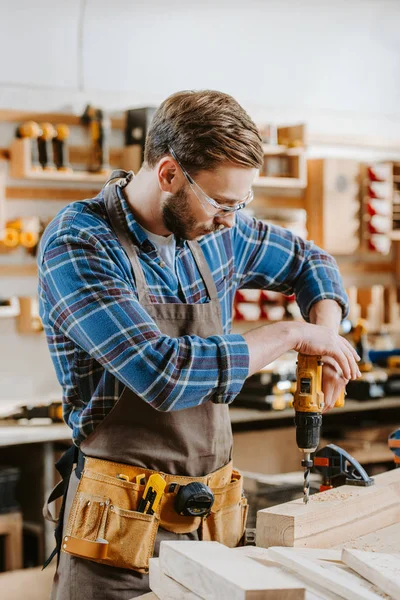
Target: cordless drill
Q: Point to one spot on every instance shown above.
(309, 404)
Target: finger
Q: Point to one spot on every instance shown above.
(355, 371)
(353, 350)
(342, 360)
(334, 394)
(328, 392)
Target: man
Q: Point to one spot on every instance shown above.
(136, 290)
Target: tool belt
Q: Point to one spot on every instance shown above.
(104, 525)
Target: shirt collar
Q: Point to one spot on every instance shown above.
(140, 236)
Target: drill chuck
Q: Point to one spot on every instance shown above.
(308, 427)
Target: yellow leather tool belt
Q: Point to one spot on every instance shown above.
(104, 525)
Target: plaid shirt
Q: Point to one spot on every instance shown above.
(101, 339)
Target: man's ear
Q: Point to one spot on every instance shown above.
(168, 175)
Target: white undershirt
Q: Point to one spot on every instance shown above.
(165, 245)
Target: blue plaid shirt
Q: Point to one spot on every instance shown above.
(101, 339)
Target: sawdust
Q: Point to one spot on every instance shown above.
(332, 496)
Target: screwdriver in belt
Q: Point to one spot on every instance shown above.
(152, 494)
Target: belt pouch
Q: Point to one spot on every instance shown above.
(226, 522)
(104, 525)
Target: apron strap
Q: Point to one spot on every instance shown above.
(118, 222)
(204, 270)
(64, 466)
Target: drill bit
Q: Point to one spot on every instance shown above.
(307, 470)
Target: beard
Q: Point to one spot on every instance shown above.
(178, 217)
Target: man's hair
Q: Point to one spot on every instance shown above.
(205, 128)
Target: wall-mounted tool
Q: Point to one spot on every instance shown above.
(51, 411)
(45, 146)
(360, 341)
(371, 385)
(23, 231)
(60, 148)
(138, 122)
(338, 467)
(309, 404)
(31, 130)
(99, 126)
(394, 445)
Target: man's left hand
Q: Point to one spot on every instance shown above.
(333, 382)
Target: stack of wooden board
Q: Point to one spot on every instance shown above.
(333, 517)
(344, 544)
(210, 571)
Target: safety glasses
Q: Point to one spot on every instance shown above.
(205, 200)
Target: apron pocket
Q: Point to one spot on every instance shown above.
(227, 525)
(88, 516)
(131, 537)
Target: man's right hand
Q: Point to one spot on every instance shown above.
(324, 341)
(268, 342)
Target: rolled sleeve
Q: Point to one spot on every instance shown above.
(233, 366)
(324, 289)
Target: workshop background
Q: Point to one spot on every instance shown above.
(322, 81)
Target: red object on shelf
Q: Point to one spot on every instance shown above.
(373, 175)
(378, 207)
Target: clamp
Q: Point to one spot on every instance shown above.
(333, 463)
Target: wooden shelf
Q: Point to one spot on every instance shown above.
(280, 182)
(52, 194)
(21, 168)
(75, 176)
(395, 235)
(17, 116)
(11, 270)
(276, 150)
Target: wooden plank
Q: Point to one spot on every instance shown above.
(313, 592)
(44, 193)
(12, 270)
(332, 517)
(149, 596)
(165, 587)
(19, 116)
(215, 573)
(313, 200)
(385, 540)
(328, 554)
(343, 584)
(381, 569)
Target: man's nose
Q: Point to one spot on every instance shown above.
(227, 220)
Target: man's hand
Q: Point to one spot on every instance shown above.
(329, 314)
(324, 341)
(333, 382)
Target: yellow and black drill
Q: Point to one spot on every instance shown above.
(309, 404)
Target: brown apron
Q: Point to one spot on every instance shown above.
(193, 441)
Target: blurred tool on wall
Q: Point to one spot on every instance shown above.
(138, 121)
(31, 130)
(60, 148)
(99, 126)
(45, 146)
(25, 232)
